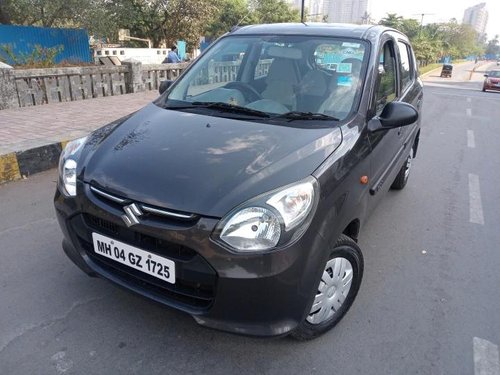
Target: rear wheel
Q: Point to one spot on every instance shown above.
(339, 285)
(402, 177)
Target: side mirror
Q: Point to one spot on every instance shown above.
(394, 115)
(164, 85)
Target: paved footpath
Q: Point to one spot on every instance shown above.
(31, 138)
(30, 127)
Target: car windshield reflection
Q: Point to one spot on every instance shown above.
(318, 77)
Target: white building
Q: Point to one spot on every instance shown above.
(334, 11)
(315, 9)
(477, 17)
(346, 11)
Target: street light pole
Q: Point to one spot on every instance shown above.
(302, 12)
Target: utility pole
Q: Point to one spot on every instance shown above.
(365, 20)
(302, 12)
(422, 19)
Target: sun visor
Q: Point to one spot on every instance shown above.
(285, 52)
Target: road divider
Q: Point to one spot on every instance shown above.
(475, 67)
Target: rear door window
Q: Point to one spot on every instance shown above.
(405, 66)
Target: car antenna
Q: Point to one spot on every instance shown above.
(237, 26)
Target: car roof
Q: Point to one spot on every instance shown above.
(368, 32)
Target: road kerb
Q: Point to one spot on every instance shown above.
(9, 168)
(22, 164)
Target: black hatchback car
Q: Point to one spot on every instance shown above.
(238, 195)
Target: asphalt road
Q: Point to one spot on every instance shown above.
(429, 302)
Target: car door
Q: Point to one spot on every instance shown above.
(385, 144)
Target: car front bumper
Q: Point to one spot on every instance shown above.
(266, 294)
(491, 87)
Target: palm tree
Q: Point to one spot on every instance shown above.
(392, 20)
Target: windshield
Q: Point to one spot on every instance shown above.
(494, 74)
(276, 76)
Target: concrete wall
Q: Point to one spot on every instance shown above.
(22, 88)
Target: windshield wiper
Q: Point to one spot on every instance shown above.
(226, 107)
(296, 115)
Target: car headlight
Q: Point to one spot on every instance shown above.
(272, 219)
(68, 165)
(252, 228)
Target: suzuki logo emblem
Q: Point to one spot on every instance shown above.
(132, 211)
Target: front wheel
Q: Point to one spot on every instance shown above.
(339, 285)
(402, 177)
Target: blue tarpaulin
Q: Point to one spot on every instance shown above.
(23, 39)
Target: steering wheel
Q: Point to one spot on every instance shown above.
(250, 94)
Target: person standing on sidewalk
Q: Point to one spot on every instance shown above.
(172, 56)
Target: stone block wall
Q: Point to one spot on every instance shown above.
(28, 87)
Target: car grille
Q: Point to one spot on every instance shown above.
(157, 213)
(195, 285)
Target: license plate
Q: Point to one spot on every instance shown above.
(141, 260)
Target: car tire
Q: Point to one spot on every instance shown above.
(402, 177)
(347, 255)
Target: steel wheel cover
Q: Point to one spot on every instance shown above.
(332, 290)
(408, 167)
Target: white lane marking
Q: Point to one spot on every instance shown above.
(469, 100)
(469, 112)
(471, 142)
(485, 357)
(475, 205)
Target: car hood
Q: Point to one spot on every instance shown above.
(202, 164)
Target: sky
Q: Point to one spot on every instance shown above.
(442, 10)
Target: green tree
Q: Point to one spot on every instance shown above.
(434, 41)
(392, 20)
(458, 40)
(5, 12)
(164, 20)
(493, 47)
(48, 13)
(410, 27)
(89, 14)
(239, 12)
(273, 11)
(427, 49)
(229, 13)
